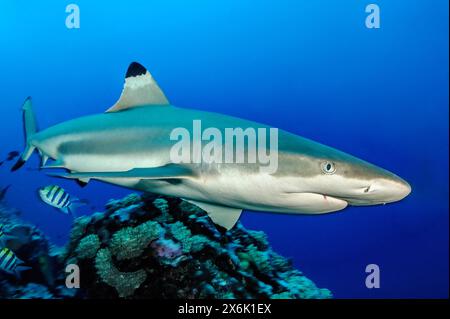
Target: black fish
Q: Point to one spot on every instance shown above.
(12, 155)
(3, 192)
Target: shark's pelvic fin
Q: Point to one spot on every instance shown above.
(30, 128)
(44, 158)
(223, 216)
(82, 182)
(163, 172)
(139, 89)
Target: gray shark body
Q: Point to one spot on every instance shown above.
(130, 146)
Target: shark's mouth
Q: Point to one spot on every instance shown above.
(354, 201)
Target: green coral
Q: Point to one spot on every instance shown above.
(211, 267)
(299, 286)
(131, 199)
(198, 242)
(124, 282)
(79, 227)
(265, 288)
(226, 295)
(220, 279)
(182, 234)
(282, 295)
(88, 246)
(259, 236)
(162, 205)
(138, 247)
(130, 242)
(189, 242)
(259, 259)
(279, 262)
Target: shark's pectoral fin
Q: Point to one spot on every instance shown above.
(313, 203)
(139, 89)
(223, 216)
(162, 172)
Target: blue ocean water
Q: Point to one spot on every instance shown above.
(309, 67)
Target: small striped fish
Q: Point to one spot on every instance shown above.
(2, 233)
(56, 196)
(10, 263)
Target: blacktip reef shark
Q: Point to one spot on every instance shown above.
(129, 145)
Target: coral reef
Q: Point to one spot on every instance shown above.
(32, 246)
(149, 246)
(162, 247)
(88, 246)
(130, 242)
(124, 282)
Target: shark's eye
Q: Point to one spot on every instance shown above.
(328, 167)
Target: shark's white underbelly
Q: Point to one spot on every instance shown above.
(257, 192)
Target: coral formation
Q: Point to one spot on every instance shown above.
(169, 248)
(88, 246)
(149, 246)
(32, 246)
(130, 242)
(124, 282)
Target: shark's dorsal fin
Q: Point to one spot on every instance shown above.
(223, 216)
(139, 89)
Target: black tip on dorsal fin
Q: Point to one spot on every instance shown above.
(140, 89)
(135, 69)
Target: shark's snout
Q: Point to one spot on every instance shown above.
(382, 191)
(390, 190)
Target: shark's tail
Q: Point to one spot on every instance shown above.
(30, 128)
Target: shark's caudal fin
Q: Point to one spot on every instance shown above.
(140, 89)
(29, 128)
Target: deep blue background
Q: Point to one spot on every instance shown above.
(309, 67)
